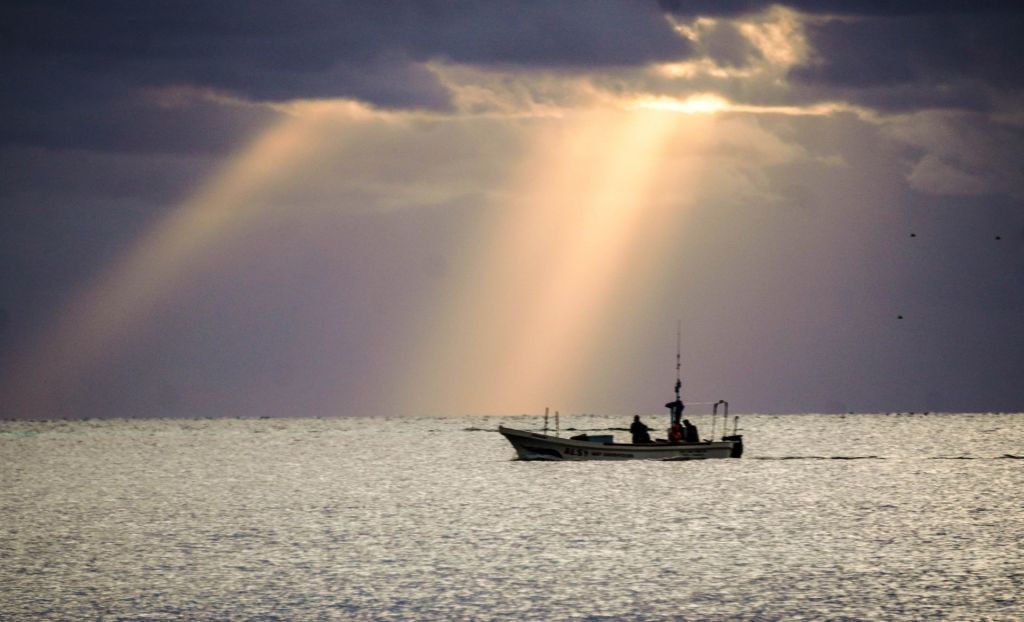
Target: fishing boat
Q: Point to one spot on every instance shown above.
(531, 445)
(536, 446)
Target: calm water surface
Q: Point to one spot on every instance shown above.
(862, 517)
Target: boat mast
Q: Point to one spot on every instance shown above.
(679, 381)
(679, 333)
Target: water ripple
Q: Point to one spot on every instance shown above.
(863, 518)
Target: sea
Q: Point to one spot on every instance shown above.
(825, 517)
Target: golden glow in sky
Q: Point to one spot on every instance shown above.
(107, 314)
(704, 103)
(469, 209)
(536, 283)
(510, 329)
(532, 286)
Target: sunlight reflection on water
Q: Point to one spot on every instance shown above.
(431, 519)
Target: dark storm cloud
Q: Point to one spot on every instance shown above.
(899, 56)
(946, 59)
(731, 8)
(219, 42)
(73, 71)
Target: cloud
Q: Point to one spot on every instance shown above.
(308, 49)
(76, 73)
(721, 41)
(940, 60)
(844, 8)
(891, 56)
(960, 153)
(142, 120)
(934, 175)
(943, 81)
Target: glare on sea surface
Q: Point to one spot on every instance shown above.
(866, 517)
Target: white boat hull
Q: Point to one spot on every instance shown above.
(533, 446)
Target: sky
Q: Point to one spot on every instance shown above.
(396, 208)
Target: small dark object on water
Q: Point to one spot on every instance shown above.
(899, 317)
(913, 235)
(999, 237)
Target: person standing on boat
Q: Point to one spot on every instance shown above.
(640, 431)
(690, 432)
(676, 408)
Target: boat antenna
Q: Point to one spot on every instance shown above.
(679, 332)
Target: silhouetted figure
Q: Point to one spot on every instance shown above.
(690, 432)
(640, 431)
(675, 433)
(676, 408)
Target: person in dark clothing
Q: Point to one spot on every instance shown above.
(690, 432)
(640, 431)
(676, 408)
(675, 433)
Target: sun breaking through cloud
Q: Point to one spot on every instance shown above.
(464, 202)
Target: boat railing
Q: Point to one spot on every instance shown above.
(558, 431)
(725, 419)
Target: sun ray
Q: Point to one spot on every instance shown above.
(107, 313)
(514, 335)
